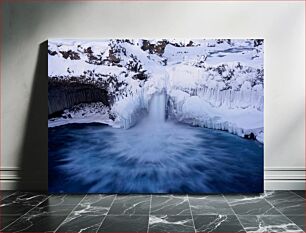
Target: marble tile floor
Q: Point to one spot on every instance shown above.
(273, 211)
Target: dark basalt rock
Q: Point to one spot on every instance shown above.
(63, 95)
(250, 136)
(158, 48)
(258, 42)
(141, 76)
(112, 57)
(70, 54)
(221, 41)
(52, 53)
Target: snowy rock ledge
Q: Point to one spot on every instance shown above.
(205, 98)
(84, 113)
(216, 84)
(196, 111)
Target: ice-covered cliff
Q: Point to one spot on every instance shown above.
(211, 83)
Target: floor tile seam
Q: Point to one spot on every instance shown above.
(283, 214)
(235, 214)
(149, 213)
(25, 213)
(69, 214)
(107, 213)
(192, 219)
(297, 194)
(8, 196)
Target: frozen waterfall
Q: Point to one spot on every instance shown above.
(157, 108)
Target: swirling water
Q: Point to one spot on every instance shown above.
(171, 158)
(155, 156)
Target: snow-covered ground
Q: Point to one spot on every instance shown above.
(211, 83)
(83, 113)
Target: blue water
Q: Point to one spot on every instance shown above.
(152, 158)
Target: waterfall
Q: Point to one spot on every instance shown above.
(157, 108)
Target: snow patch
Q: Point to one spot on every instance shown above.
(210, 83)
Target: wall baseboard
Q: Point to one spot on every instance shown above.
(285, 178)
(276, 178)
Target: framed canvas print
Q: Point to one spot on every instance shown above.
(155, 115)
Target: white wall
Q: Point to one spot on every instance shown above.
(24, 85)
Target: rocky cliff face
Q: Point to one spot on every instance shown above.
(211, 83)
(63, 95)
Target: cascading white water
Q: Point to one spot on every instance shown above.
(157, 108)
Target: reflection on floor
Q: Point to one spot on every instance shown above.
(273, 211)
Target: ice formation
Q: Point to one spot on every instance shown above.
(210, 83)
